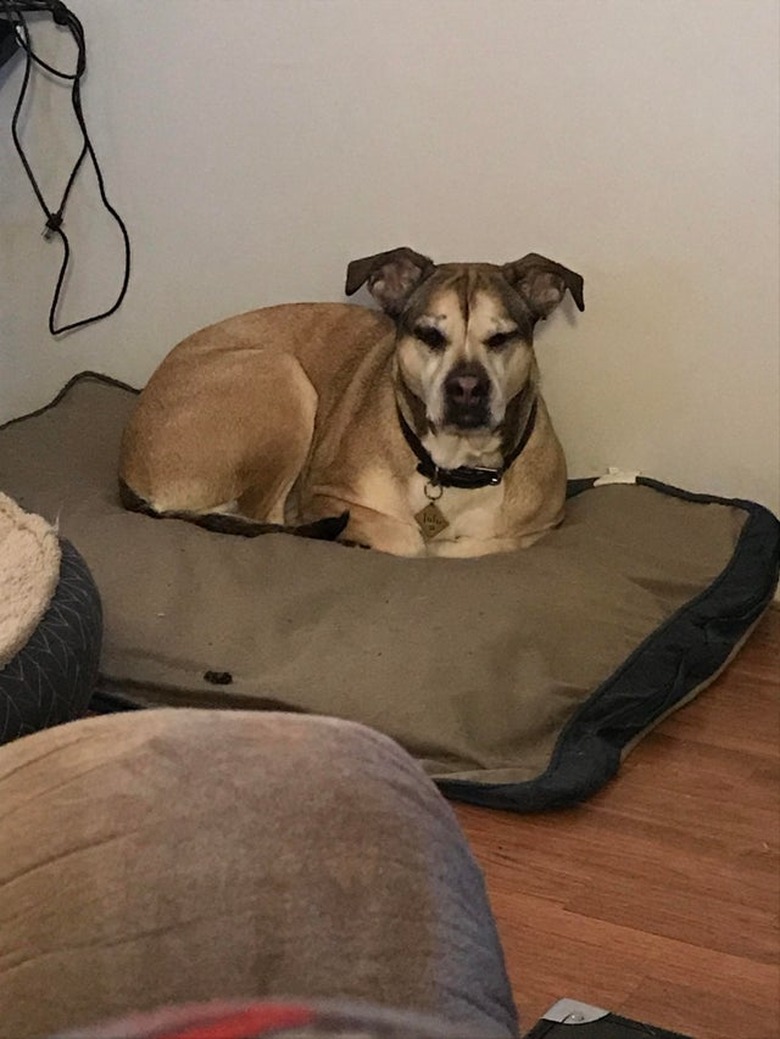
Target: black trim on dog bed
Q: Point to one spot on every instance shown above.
(52, 678)
(680, 655)
(86, 376)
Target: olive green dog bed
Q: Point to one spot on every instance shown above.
(518, 680)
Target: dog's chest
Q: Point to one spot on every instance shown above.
(453, 513)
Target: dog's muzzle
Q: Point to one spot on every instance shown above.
(467, 397)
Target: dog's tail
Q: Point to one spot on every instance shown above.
(327, 529)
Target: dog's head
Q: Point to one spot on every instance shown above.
(464, 331)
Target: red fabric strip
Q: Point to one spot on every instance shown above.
(245, 1024)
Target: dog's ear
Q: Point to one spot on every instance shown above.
(392, 276)
(543, 283)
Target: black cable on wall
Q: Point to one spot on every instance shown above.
(15, 12)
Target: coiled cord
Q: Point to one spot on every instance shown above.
(16, 10)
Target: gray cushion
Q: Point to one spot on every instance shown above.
(174, 855)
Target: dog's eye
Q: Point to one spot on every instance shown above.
(499, 339)
(431, 336)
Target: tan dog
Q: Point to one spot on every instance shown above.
(420, 431)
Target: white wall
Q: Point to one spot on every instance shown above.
(255, 146)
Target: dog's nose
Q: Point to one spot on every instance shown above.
(466, 389)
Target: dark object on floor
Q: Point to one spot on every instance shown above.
(569, 1019)
(218, 677)
(518, 680)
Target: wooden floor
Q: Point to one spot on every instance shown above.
(660, 898)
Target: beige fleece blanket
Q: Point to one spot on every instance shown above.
(29, 572)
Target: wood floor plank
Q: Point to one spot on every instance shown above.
(660, 898)
(723, 1014)
(744, 930)
(713, 972)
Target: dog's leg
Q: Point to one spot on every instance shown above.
(467, 548)
(371, 529)
(327, 529)
(236, 445)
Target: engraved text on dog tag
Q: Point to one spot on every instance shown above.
(431, 521)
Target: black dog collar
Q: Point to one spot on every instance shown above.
(464, 476)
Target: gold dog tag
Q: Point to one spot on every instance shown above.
(431, 520)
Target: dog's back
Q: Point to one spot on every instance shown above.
(226, 421)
